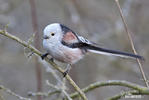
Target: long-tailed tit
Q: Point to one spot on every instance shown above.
(66, 46)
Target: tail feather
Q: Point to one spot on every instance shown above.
(99, 50)
(104, 51)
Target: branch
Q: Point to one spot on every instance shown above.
(60, 89)
(123, 94)
(45, 94)
(51, 70)
(140, 89)
(12, 93)
(37, 52)
(131, 42)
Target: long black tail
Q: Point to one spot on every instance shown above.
(104, 51)
(99, 50)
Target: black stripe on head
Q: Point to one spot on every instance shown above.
(65, 29)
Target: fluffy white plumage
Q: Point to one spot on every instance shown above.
(56, 49)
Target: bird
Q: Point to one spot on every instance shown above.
(68, 47)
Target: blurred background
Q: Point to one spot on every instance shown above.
(97, 20)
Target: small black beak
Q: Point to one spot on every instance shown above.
(45, 37)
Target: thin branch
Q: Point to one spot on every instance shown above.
(51, 70)
(37, 52)
(12, 93)
(132, 44)
(119, 96)
(138, 88)
(67, 95)
(58, 88)
(51, 85)
(127, 93)
(126, 10)
(45, 94)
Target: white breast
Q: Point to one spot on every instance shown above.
(63, 53)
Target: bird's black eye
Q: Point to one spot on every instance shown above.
(52, 34)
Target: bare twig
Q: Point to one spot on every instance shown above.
(126, 9)
(45, 94)
(37, 52)
(67, 95)
(12, 93)
(125, 94)
(50, 70)
(131, 41)
(51, 85)
(58, 88)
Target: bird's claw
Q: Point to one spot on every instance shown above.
(65, 73)
(52, 59)
(44, 55)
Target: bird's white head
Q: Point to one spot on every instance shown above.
(52, 32)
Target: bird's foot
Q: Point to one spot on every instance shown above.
(67, 70)
(44, 55)
(52, 59)
(65, 73)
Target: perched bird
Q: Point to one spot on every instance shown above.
(66, 46)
